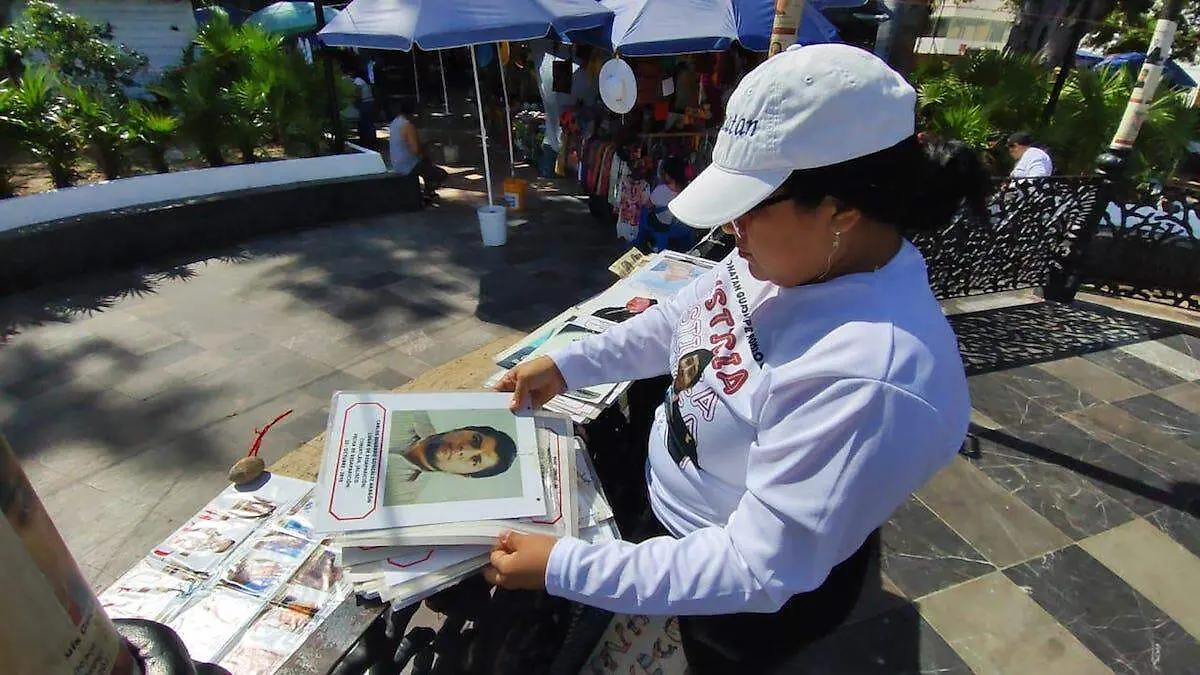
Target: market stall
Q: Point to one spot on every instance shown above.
(400, 24)
(663, 71)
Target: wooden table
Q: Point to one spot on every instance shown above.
(342, 629)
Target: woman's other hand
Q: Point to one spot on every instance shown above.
(519, 561)
(539, 380)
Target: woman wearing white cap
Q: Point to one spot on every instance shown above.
(834, 388)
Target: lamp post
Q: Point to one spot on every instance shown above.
(1110, 166)
(335, 120)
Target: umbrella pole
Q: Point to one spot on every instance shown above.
(416, 78)
(512, 158)
(487, 166)
(445, 92)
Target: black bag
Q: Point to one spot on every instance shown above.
(561, 82)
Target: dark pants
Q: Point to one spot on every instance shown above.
(366, 124)
(751, 643)
(431, 174)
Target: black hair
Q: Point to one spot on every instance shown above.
(913, 185)
(506, 452)
(675, 169)
(1020, 138)
(704, 356)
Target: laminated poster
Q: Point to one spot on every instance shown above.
(399, 460)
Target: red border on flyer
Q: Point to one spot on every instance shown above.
(378, 460)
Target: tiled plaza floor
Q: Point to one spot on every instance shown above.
(1064, 540)
(129, 396)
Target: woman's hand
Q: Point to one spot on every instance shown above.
(538, 379)
(519, 561)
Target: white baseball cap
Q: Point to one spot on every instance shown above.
(804, 108)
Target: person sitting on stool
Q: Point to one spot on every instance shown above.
(405, 149)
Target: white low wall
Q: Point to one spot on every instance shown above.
(165, 187)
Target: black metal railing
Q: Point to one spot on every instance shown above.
(1038, 231)
(1147, 246)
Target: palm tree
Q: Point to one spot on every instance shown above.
(104, 123)
(153, 131)
(10, 131)
(47, 128)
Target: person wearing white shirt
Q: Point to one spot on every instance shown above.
(364, 100)
(1031, 162)
(817, 383)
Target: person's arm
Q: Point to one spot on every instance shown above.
(633, 350)
(825, 471)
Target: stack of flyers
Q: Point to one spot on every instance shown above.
(391, 457)
(655, 280)
(391, 567)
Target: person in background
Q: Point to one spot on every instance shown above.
(1031, 162)
(665, 230)
(364, 101)
(404, 149)
(833, 388)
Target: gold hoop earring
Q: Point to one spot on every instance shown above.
(837, 242)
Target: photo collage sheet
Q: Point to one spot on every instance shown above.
(414, 488)
(243, 582)
(649, 280)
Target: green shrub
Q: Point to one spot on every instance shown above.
(47, 128)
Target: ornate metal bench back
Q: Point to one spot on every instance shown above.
(1147, 246)
(1031, 226)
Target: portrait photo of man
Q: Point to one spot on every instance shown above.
(426, 465)
(681, 443)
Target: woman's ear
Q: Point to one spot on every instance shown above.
(841, 216)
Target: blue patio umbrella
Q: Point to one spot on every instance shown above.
(445, 24)
(668, 27)
(1171, 70)
(289, 18)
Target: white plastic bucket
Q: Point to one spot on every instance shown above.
(493, 225)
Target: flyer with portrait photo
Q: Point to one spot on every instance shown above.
(213, 621)
(205, 541)
(268, 562)
(268, 642)
(298, 520)
(400, 460)
(145, 592)
(317, 584)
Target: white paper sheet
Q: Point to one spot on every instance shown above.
(364, 466)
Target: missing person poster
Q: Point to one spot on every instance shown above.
(399, 460)
(50, 621)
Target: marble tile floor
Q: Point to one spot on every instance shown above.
(1065, 538)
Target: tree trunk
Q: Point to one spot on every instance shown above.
(907, 27)
(1046, 28)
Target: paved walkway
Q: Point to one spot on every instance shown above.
(129, 396)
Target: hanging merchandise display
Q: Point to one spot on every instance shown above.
(618, 86)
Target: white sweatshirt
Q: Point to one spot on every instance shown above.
(819, 410)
